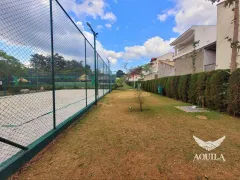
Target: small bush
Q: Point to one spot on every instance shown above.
(192, 92)
(218, 90)
(234, 93)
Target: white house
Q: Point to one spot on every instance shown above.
(205, 50)
(135, 77)
(160, 67)
(224, 29)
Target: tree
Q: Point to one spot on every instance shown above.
(140, 97)
(119, 82)
(61, 65)
(146, 68)
(120, 73)
(11, 66)
(235, 44)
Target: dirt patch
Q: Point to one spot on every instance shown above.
(112, 142)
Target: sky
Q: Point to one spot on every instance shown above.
(133, 31)
(130, 31)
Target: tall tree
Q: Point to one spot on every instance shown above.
(235, 44)
(11, 66)
(120, 73)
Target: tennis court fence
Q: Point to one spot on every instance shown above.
(50, 74)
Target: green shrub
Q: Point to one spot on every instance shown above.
(147, 86)
(218, 90)
(164, 85)
(180, 85)
(169, 87)
(155, 86)
(234, 93)
(185, 87)
(174, 87)
(208, 98)
(192, 92)
(200, 89)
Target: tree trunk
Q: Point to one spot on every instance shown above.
(141, 109)
(235, 37)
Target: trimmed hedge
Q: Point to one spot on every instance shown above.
(175, 87)
(208, 98)
(192, 91)
(234, 93)
(200, 89)
(216, 90)
(169, 87)
(183, 87)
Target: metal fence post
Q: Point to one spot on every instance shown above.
(53, 70)
(97, 77)
(103, 78)
(86, 77)
(95, 70)
(109, 76)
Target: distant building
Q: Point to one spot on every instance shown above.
(224, 29)
(205, 51)
(134, 77)
(160, 67)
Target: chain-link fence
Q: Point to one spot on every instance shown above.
(48, 73)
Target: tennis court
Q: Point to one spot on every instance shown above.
(27, 117)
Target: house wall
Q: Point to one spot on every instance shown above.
(168, 56)
(154, 67)
(206, 35)
(150, 76)
(209, 57)
(224, 29)
(165, 70)
(183, 64)
(209, 60)
(183, 49)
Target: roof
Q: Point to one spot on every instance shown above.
(185, 36)
(153, 59)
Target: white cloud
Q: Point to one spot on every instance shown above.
(162, 17)
(93, 8)
(108, 25)
(166, 14)
(109, 16)
(80, 25)
(188, 13)
(153, 47)
(99, 27)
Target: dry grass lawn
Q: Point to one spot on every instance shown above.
(116, 142)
